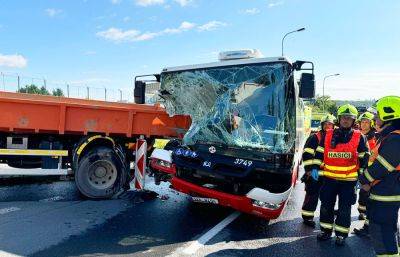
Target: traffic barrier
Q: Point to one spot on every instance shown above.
(140, 163)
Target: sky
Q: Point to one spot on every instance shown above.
(105, 43)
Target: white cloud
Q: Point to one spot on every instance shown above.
(53, 12)
(251, 11)
(149, 2)
(90, 52)
(13, 61)
(275, 4)
(212, 25)
(183, 2)
(118, 35)
(186, 25)
(126, 19)
(116, 1)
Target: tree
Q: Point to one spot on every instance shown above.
(330, 105)
(33, 89)
(58, 92)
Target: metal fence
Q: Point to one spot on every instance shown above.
(14, 83)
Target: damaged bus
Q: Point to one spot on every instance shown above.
(243, 148)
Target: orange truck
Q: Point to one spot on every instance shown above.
(94, 140)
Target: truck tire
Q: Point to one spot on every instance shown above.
(100, 174)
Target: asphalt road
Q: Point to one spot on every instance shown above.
(51, 219)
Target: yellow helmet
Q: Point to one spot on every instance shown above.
(369, 116)
(347, 110)
(388, 108)
(328, 118)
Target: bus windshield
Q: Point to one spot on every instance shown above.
(249, 106)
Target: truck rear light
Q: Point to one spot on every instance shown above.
(265, 205)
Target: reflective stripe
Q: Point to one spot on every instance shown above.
(326, 225)
(307, 213)
(320, 149)
(309, 150)
(342, 229)
(37, 152)
(388, 255)
(307, 163)
(370, 163)
(361, 171)
(317, 162)
(368, 176)
(366, 222)
(361, 155)
(385, 198)
(362, 208)
(90, 139)
(332, 174)
(387, 165)
(339, 168)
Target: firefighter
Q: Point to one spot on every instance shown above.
(382, 179)
(366, 121)
(312, 187)
(345, 152)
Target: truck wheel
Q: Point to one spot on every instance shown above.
(100, 173)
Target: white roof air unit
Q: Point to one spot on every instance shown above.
(239, 54)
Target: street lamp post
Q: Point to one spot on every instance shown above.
(323, 89)
(283, 39)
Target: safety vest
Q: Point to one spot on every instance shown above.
(372, 143)
(375, 153)
(341, 162)
(319, 136)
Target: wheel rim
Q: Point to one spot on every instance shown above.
(102, 174)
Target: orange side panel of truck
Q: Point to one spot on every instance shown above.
(26, 113)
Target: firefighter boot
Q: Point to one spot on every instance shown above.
(340, 240)
(363, 232)
(324, 236)
(309, 223)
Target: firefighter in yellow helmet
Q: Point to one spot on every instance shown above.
(366, 121)
(345, 151)
(312, 186)
(382, 179)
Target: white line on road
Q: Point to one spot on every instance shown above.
(196, 245)
(9, 209)
(6, 254)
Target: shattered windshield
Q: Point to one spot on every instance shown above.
(249, 106)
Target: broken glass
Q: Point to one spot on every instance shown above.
(246, 106)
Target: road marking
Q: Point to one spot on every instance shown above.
(196, 245)
(6, 254)
(7, 210)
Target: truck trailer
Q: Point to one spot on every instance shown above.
(94, 140)
(243, 149)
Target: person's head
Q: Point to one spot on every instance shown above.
(366, 122)
(327, 122)
(347, 115)
(388, 112)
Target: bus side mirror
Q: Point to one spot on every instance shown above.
(139, 92)
(307, 85)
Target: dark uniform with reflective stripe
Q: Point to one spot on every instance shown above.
(363, 195)
(312, 187)
(384, 200)
(345, 190)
